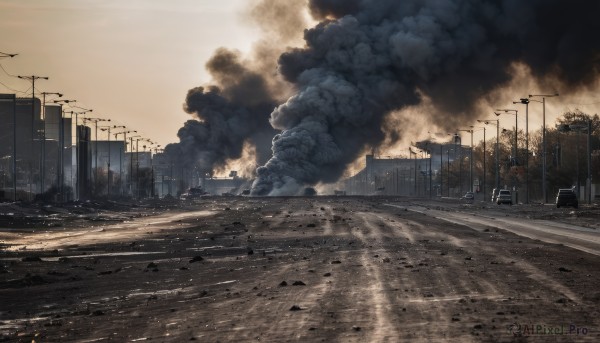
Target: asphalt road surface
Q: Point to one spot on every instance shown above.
(338, 269)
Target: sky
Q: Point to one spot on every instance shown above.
(130, 61)
(134, 61)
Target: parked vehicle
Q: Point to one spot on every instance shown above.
(495, 194)
(193, 193)
(504, 197)
(468, 197)
(566, 197)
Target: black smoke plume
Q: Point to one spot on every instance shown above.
(226, 116)
(367, 58)
(235, 110)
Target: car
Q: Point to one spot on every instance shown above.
(193, 193)
(566, 197)
(504, 197)
(468, 197)
(495, 194)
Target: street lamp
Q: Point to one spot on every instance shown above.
(516, 114)
(124, 133)
(580, 128)
(32, 78)
(131, 163)
(43, 156)
(544, 96)
(415, 153)
(95, 121)
(137, 165)
(458, 140)
(525, 101)
(4, 55)
(470, 158)
(77, 157)
(484, 165)
(108, 176)
(487, 122)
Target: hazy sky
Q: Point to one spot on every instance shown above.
(130, 60)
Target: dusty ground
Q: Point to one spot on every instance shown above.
(301, 269)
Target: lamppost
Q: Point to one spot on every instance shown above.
(579, 128)
(448, 170)
(470, 158)
(4, 55)
(61, 145)
(32, 78)
(106, 128)
(487, 122)
(525, 101)
(155, 146)
(442, 161)
(43, 156)
(516, 114)
(124, 133)
(131, 163)
(13, 98)
(484, 150)
(544, 96)
(95, 121)
(415, 153)
(152, 143)
(458, 140)
(108, 175)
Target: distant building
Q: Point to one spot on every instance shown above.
(224, 186)
(387, 176)
(83, 185)
(401, 175)
(57, 133)
(28, 137)
(109, 153)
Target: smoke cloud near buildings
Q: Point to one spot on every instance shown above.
(232, 113)
(366, 59)
(328, 100)
(225, 116)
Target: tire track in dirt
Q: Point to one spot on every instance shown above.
(138, 228)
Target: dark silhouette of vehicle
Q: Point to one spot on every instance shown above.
(504, 197)
(469, 197)
(193, 193)
(566, 197)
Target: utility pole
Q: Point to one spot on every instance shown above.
(13, 97)
(486, 122)
(525, 101)
(95, 121)
(544, 96)
(44, 136)
(124, 133)
(470, 158)
(32, 78)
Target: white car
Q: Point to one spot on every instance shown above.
(504, 197)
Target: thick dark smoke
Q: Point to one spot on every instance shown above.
(235, 110)
(367, 58)
(226, 116)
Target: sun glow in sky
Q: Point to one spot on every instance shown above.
(131, 61)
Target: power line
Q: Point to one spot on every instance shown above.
(14, 90)
(7, 73)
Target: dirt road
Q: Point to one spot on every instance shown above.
(302, 269)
